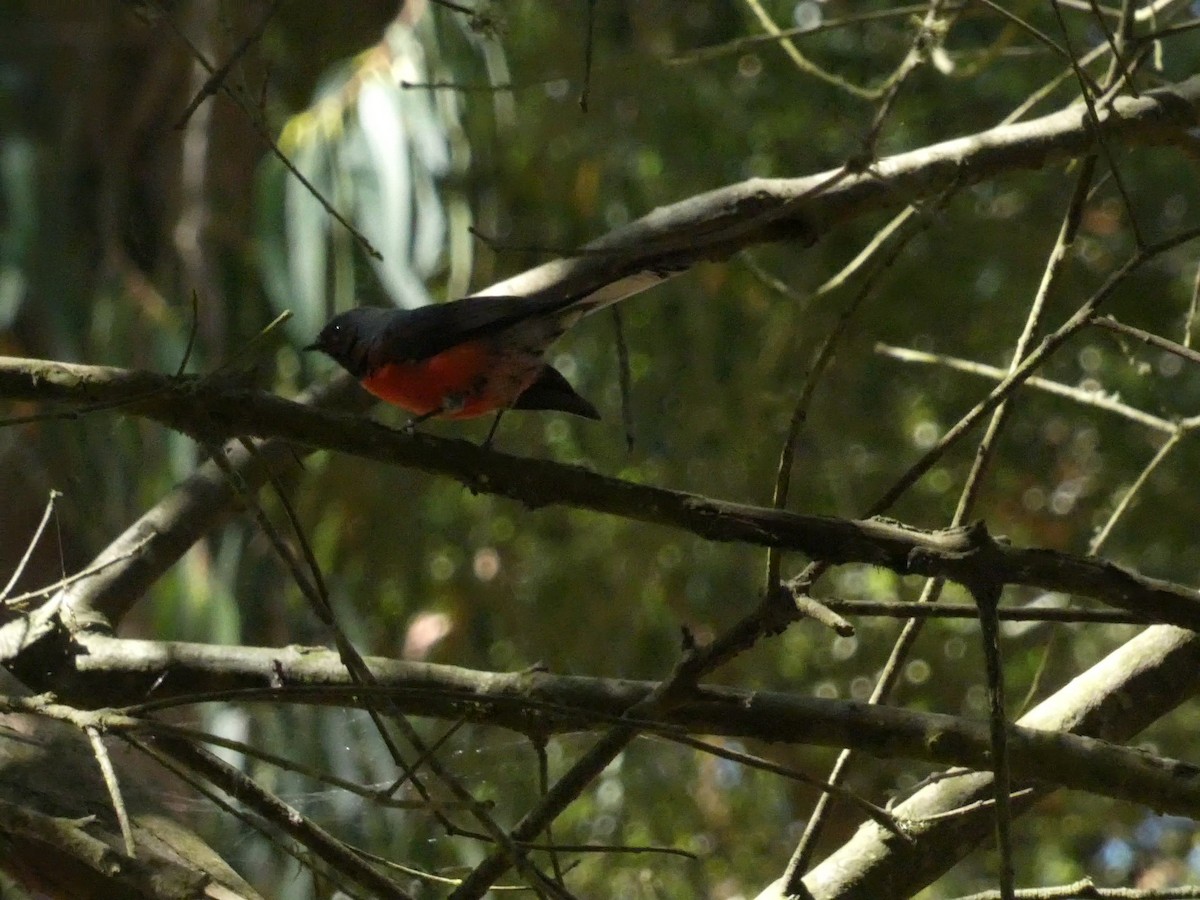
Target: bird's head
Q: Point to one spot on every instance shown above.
(347, 338)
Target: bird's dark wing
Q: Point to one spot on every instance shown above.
(416, 334)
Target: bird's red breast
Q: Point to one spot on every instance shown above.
(465, 381)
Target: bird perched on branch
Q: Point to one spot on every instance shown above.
(461, 359)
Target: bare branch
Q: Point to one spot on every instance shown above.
(547, 704)
(959, 554)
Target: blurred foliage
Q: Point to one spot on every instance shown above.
(373, 150)
(111, 217)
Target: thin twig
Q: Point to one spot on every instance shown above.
(1146, 337)
(193, 330)
(95, 567)
(1192, 308)
(216, 78)
(1169, 31)
(1114, 45)
(878, 239)
(966, 808)
(37, 536)
(1038, 35)
(800, 60)
(1094, 120)
(382, 798)
(247, 353)
(429, 877)
(1094, 399)
(427, 752)
(739, 45)
(624, 376)
(266, 136)
(876, 814)
(114, 790)
(918, 55)
(286, 818)
(987, 596)
(1071, 615)
(543, 765)
(1102, 534)
(457, 7)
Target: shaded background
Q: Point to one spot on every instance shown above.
(114, 212)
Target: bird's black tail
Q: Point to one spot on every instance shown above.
(551, 391)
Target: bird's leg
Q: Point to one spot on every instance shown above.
(411, 425)
(487, 441)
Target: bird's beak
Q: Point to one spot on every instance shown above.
(310, 347)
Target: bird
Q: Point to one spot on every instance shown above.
(463, 358)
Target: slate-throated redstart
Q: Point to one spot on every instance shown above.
(460, 359)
